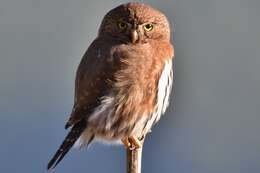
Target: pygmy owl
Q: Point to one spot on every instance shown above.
(123, 81)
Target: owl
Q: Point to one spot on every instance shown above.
(123, 81)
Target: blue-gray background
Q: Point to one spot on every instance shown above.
(212, 126)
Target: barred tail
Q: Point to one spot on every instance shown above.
(68, 142)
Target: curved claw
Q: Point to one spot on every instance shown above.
(126, 143)
(133, 142)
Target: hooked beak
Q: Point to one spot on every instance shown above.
(134, 36)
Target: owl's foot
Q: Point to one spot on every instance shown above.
(133, 142)
(126, 143)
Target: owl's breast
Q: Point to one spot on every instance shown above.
(139, 94)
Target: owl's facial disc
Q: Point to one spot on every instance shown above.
(138, 32)
(135, 23)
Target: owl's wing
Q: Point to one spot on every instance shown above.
(93, 81)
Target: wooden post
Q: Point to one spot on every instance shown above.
(134, 159)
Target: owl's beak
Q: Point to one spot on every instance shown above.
(134, 36)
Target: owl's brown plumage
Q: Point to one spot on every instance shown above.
(124, 79)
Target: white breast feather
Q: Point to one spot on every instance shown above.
(164, 90)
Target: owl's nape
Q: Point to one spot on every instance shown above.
(123, 81)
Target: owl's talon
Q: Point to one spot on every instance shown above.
(126, 143)
(135, 142)
(141, 138)
(131, 148)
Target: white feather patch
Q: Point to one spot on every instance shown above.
(164, 90)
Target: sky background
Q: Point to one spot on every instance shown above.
(212, 126)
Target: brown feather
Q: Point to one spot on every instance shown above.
(116, 86)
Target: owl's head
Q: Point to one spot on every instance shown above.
(135, 23)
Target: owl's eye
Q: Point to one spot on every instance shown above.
(148, 27)
(121, 25)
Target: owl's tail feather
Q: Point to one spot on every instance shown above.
(68, 142)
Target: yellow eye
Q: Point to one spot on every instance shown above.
(121, 25)
(148, 27)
